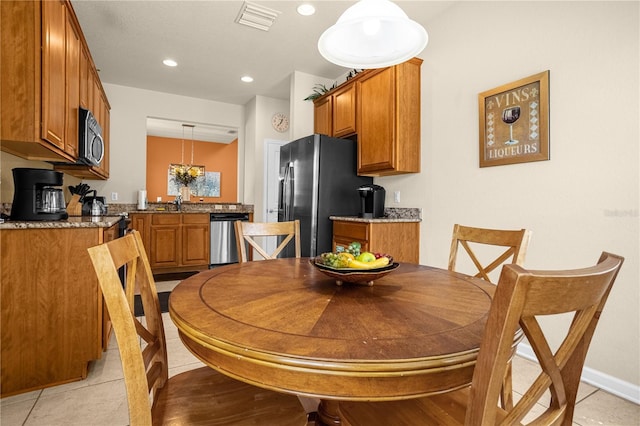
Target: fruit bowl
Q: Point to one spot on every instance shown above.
(351, 275)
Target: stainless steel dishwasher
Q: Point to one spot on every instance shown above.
(222, 249)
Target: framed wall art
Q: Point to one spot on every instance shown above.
(514, 122)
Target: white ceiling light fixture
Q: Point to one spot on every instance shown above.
(372, 34)
(306, 9)
(170, 63)
(246, 78)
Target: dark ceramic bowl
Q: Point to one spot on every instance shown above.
(350, 275)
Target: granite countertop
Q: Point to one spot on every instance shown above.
(186, 207)
(391, 215)
(374, 220)
(116, 211)
(71, 222)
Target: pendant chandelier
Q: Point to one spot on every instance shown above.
(372, 34)
(187, 173)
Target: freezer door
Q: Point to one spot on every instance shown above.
(337, 187)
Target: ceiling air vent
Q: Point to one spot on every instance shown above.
(256, 16)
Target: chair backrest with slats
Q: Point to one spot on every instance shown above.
(145, 369)
(521, 298)
(514, 242)
(247, 231)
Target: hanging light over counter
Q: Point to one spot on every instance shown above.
(372, 34)
(186, 173)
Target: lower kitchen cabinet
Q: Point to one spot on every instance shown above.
(175, 242)
(51, 307)
(195, 239)
(399, 239)
(165, 241)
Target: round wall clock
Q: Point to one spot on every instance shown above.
(280, 122)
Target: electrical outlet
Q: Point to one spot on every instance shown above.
(114, 196)
(232, 206)
(396, 196)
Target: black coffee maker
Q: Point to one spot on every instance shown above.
(372, 201)
(37, 195)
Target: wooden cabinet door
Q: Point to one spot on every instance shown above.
(166, 240)
(322, 116)
(73, 87)
(165, 246)
(51, 325)
(84, 78)
(20, 56)
(389, 120)
(401, 240)
(104, 120)
(54, 17)
(344, 111)
(376, 126)
(142, 223)
(195, 243)
(344, 233)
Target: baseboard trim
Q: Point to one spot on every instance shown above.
(596, 378)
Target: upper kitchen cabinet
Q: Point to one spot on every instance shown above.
(44, 59)
(382, 107)
(335, 112)
(389, 120)
(344, 111)
(54, 61)
(322, 116)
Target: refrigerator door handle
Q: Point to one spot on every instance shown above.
(288, 192)
(281, 196)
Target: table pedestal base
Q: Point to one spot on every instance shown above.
(329, 413)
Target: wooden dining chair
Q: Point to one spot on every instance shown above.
(521, 297)
(247, 231)
(513, 242)
(196, 397)
(471, 239)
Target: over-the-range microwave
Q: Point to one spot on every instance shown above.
(90, 142)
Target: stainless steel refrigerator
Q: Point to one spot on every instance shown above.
(318, 179)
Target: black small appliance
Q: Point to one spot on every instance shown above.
(36, 196)
(90, 142)
(371, 201)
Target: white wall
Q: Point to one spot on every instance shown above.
(260, 111)
(302, 111)
(585, 199)
(130, 108)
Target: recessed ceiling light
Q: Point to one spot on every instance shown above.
(170, 63)
(306, 9)
(247, 79)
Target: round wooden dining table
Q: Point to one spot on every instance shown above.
(284, 325)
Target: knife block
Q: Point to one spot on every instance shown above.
(74, 208)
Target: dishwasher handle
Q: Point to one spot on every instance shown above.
(225, 217)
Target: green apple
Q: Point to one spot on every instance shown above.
(365, 256)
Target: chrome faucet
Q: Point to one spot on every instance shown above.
(178, 202)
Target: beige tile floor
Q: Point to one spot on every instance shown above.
(100, 400)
